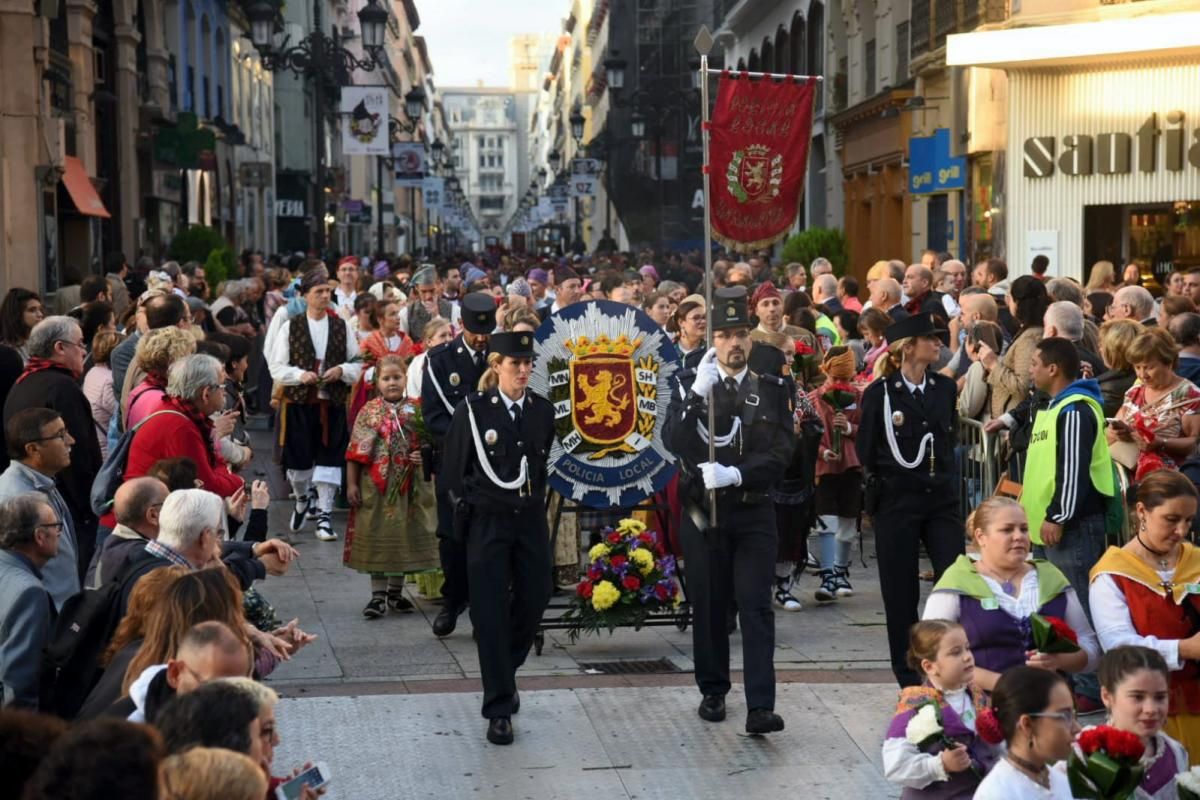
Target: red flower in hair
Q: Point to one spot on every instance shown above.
(987, 726)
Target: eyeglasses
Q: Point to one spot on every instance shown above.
(80, 345)
(63, 434)
(1065, 717)
(57, 527)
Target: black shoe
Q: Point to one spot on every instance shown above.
(712, 708)
(446, 620)
(375, 608)
(500, 730)
(761, 720)
(516, 703)
(399, 603)
(299, 513)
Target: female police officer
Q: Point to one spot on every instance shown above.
(495, 470)
(906, 444)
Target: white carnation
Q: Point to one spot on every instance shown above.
(1189, 780)
(924, 726)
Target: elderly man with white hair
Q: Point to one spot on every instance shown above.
(1064, 319)
(820, 266)
(51, 380)
(1135, 303)
(227, 310)
(885, 295)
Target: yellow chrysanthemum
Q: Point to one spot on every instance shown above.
(631, 526)
(604, 594)
(643, 559)
(598, 551)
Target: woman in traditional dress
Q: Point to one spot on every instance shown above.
(386, 340)
(993, 597)
(1148, 593)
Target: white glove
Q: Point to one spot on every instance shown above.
(718, 476)
(707, 374)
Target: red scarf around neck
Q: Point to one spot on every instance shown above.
(37, 364)
(188, 409)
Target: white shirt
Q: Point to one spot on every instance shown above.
(1114, 625)
(1006, 782)
(344, 303)
(509, 402)
(416, 371)
(739, 377)
(285, 373)
(951, 306)
(912, 387)
(905, 765)
(945, 605)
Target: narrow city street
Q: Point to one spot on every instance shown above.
(394, 710)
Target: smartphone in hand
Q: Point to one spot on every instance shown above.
(317, 776)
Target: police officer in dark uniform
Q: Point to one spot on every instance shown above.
(452, 371)
(906, 444)
(736, 560)
(494, 467)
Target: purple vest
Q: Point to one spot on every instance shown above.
(1162, 771)
(962, 785)
(997, 640)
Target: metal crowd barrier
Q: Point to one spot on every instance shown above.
(978, 464)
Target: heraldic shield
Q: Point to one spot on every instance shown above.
(755, 171)
(604, 397)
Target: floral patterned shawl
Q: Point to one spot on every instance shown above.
(382, 439)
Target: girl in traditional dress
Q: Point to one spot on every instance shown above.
(1134, 688)
(386, 340)
(393, 519)
(940, 651)
(1148, 593)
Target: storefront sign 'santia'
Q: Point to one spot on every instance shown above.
(1113, 153)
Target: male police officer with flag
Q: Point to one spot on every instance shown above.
(452, 371)
(753, 438)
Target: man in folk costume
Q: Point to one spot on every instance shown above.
(312, 357)
(452, 372)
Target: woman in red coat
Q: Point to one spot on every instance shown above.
(181, 427)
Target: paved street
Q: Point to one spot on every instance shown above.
(395, 711)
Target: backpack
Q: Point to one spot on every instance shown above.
(112, 472)
(85, 626)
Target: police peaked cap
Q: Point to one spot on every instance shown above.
(730, 309)
(479, 313)
(514, 345)
(916, 325)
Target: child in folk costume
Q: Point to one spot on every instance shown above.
(1134, 685)
(940, 650)
(839, 473)
(393, 518)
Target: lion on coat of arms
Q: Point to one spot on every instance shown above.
(600, 401)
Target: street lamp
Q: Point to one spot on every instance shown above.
(321, 58)
(554, 159)
(414, 102)
(637, 125)
(615, 70)
(577, 121)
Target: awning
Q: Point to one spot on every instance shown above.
(83, 194)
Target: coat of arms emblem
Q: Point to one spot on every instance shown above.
(606, 367)
(754, 174)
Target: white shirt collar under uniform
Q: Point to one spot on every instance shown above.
(913, 387)
(739, 377)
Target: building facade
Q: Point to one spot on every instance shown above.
(1098, 114)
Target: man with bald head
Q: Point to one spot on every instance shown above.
(208, 651)
(885, 295)
(824, 293)
(918, 285)
(136, 506)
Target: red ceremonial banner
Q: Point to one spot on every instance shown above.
(758, 151)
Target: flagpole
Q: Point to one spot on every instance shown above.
(741, 73)
(703, 44)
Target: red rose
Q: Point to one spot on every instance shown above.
(632, 583)
(614, 538)
(1062, 629)
(647, 538)
(1091, 740)
(584, 589)
(803, 348)
(618, 560)
(661, 593)
(595, 572)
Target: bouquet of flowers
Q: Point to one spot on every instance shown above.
(629, 577)
(424, 440)
(926, 730)
(1053, 635)
(1105, 764)
(839, 395)
(1188, 784)
(805, 360)
(1145, 427)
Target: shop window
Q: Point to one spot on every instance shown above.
(919, 20)
(937, 219)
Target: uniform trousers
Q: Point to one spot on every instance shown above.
(453, 554)
(508, 561)
(737, 562)
(907, 518)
